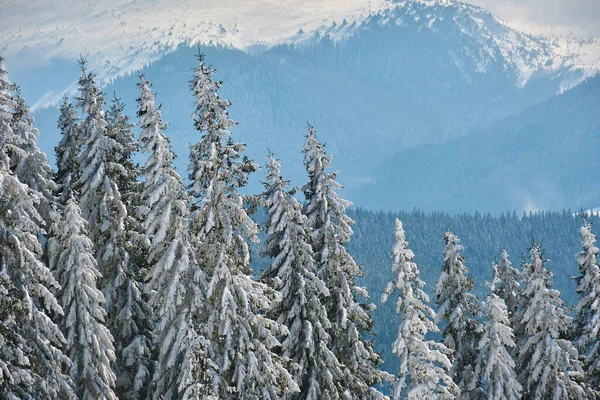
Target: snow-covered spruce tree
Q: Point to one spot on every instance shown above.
(32, 364)
(241, 339)
(330, 230)
(68, 150)
(89, 342)
(103, 207)
(495, 365)
(459, 308)
(292, 273)
(126, 175)
(424, 364)
(586, 333)
(506, 285)
(29, 163)
(549, 367)
(120, 130)
(175, 281)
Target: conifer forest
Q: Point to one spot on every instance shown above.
(299, 200)
(122, 280)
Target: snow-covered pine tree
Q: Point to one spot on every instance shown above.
(176, 284)
(31, 361)
(97, 190)
(292, 273)
(495, 365)
(459, 308)
(330, 230)
(126, 175)
(241, 338)
(507, 285)
(89, 342)
(549, 366)
(424, 364)
(586, 333)
(103, 207)
(68, 150)
(29, 163)
(120, 130)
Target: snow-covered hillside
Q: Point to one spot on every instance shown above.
(570, 59)
(119, 36)
(122, 36)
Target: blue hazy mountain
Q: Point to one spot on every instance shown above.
(388, 96)
(545, 157)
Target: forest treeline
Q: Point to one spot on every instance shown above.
(121, 281)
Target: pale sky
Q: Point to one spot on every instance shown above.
(581, 16)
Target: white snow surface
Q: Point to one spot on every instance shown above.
(121, 36)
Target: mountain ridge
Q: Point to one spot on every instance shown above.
(287, 22)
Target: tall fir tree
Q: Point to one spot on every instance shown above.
(241, 339)
(120, 129)
(67, 151)
(495, 364)
(29, 164)
(459, 308)
(586, 333)
(126, 174)
(176, 284)
(104, 208)
(32, 363)
(330, 230)
(292, 273)
(549, 364)
(89, 342)
(507, 285)
(424, 364)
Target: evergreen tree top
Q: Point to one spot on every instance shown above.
(316, 159)
(506, 283)
(68, 114)
(121, 130)
(152, 139)
(216, 163)
(68, 149)
(285, 219)
(535, 269)
(91, 98)
(148, 112)
(326, 211)
(453, 285)
(588, 240)
(211, 113)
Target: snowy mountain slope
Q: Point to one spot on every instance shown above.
(570, 59)
(382, 90)
(122, 36)
(497, 41)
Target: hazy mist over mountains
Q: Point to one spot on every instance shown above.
(435, 106)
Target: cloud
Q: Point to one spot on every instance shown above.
(581, 16)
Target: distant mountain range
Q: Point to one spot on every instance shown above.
(120, 37)
(428, 104)
(546, 157)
